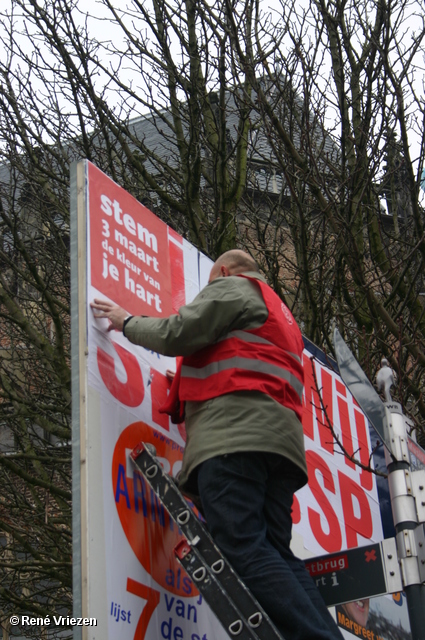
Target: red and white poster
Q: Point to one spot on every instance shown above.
(339, 509)
(135, 587)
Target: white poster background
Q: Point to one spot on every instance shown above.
(135, 586)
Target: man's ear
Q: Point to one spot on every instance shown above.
(224, 271)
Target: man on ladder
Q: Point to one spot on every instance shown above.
(241, 381)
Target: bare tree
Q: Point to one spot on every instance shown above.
(34, 389)
(346, 76)
(157, 108)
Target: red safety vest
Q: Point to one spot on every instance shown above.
(267, 359)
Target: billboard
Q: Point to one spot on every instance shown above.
(125, 573)
(339, 508)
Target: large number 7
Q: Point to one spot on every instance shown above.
(152, 596)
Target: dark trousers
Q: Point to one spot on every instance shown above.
(247, 499)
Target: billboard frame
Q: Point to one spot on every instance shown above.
(78, 244)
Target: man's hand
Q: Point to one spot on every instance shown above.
(115, 314)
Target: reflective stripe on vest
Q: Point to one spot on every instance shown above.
(247, 364)
(250, 337)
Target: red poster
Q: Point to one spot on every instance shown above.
(129, 249)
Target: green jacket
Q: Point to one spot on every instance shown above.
(239, 421)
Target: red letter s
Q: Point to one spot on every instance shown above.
(331, 541)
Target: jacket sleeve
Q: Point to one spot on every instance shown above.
(220, 307)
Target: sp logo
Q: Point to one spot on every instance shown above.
(287, 314)
(147, 525)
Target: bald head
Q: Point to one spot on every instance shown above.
(231, 263)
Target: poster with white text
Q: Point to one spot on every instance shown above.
(135, 587)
